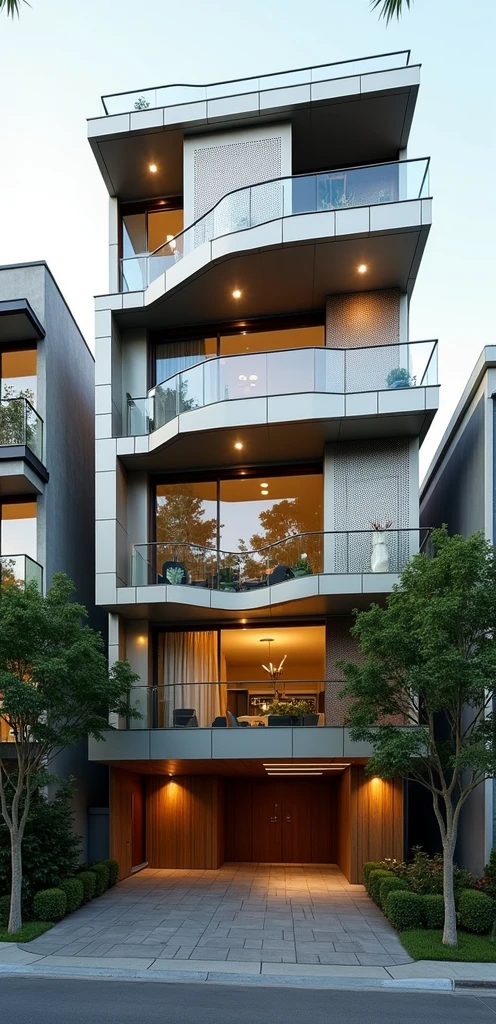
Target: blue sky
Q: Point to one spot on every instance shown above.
(58, 59)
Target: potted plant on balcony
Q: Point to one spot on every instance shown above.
(302, 566)
(379, 559)
(227, 579)
(400, 378)
(301, 712)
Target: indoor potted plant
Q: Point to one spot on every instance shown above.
(301, 712)
(400, 378)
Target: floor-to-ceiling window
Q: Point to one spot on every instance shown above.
(18, 545)
(18, 373)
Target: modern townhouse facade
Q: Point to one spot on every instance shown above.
(259, 412)
(47, 469)
(459, 490)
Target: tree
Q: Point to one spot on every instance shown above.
(429, 660)
(12, 7)
(55, 689)
(390, 8)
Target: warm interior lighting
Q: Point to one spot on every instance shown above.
(362, 269)
(306, 764)
(141, 640)
(238, 446)
(152, 168)
(287, 774)
(236, 294)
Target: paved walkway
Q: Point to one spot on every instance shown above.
(242, 913)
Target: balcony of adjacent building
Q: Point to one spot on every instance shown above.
(22, 468)
(310, 235)
(257, 402)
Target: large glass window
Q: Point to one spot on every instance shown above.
(172, 357)
(18, 528)
(271, 341)
(146, 230)
(18, 373)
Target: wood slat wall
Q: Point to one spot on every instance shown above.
(122, 786)
(185, 822)
(370, 821)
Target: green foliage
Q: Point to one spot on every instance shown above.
(428, 945)
(73, 888)
(404, 910)
(489, 880)
(88, 878)
(388, 885)
(302, 567)
(113, 871)
(390, 8)
(28, 932)
(433, 910)
(294, 708)
(424, 874)
(370, 865)
(49, 905)
(476, 911)
(400, 376)
(50, 849)
(4, 911)
(376, 877)
(102, 877)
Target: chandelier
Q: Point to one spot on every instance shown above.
(274, 671)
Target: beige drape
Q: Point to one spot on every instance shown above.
(188, 676)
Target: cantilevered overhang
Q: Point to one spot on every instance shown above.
(338, 121)
(286, 265)
(18, 322)
(313, 595)
(223, 751)
(21, 472)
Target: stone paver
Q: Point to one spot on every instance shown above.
(251, 913)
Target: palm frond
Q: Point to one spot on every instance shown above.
(390, 8)
(12, 7)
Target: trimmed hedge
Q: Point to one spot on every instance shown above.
(433, 910)
(74, 891)
(49, 905)
(88, 878)
(475, 911)
(370, 865)
(391, 884)
(102, 877)
(404, 910)
(375, 878)
(113, 871)
(4, 911)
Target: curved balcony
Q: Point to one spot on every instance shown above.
(396, 369)
(282, 200)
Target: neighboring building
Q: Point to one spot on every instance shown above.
(459, 490)
(47, 465)
(258, 406)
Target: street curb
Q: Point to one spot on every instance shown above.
(245, 980)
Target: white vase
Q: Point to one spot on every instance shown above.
(379, 561)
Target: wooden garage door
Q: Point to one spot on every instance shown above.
(282, 821)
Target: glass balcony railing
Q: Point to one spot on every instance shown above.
(21, 424)
(203, 705)
(370, 185)
(19, 570)
(170, 95)
(285, 372)
(338, 552)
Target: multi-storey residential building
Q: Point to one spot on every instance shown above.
(47, 469)
(259, 412)
(459, 490)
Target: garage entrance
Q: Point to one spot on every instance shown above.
(290, 821)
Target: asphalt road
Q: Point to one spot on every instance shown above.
(58, 1001)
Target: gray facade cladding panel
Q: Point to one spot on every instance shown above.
(457, 498)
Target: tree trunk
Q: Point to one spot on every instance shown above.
(15, 918)
(449, 933)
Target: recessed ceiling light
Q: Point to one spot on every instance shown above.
(238, 446)
(253, 376)
(152, 168)
(362, 269)
(236, 294)
(264, 485)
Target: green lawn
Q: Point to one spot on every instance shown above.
(423, 944)
(30, 930)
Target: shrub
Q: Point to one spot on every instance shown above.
(102, 877)
(49, 905)
(388, 885)
(88, 878)
(370, 865)
(424, 875)
(404, 910)
(375, 878)
(50, 850)
(433, 905)
(4, 911)
(488, 883)
(73, 888)
(476, 911)
(113, 871)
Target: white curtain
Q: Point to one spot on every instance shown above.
(189, 671)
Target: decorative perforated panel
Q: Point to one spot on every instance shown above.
(361, 319)
(340, 645)
(371, 483)
(220, 168)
